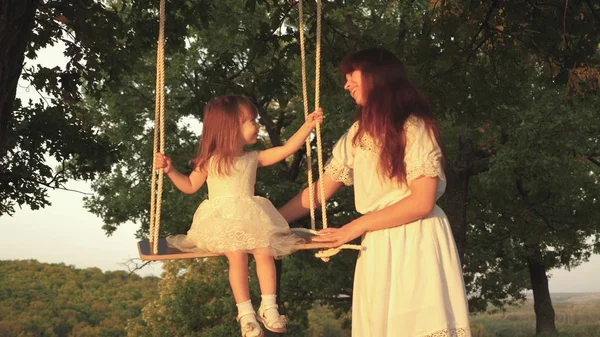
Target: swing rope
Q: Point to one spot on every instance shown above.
(317, 105)
(159, 133)
(326, 253)
(311, 192)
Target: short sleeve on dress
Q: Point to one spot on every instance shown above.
(341, 164)
(423, 155)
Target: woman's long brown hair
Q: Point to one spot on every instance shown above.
(221, 132)
(390, 98)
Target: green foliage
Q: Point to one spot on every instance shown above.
(519, 137)
(38, 299)
(59, 127)
(196, 300)
(324, 323)
(539, 198)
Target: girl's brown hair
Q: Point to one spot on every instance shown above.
(221, 132)
(390, 98)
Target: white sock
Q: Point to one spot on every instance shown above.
(272, 314)
(246, 312)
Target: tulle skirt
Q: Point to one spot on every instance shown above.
(237, 223)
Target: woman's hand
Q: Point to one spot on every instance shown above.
(339, 236)
(163, 162)
(314, 118)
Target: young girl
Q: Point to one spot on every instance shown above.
(234, 221)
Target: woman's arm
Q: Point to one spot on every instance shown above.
(279, 153)
(412, 208)
(299, 205)
(186, 184)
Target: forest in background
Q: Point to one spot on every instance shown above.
(56, 300)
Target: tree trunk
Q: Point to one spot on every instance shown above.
(470, 161)
(16, 24)
(544, 312)
(458, 173)
(456, 209)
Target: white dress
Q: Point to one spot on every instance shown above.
(234, 219)
(408, 282)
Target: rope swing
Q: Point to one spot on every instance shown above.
(154, 248)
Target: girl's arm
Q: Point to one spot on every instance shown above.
(186, 184)
(412, 208)
(299, 205)
(279, 153)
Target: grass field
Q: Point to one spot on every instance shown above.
(577, 315)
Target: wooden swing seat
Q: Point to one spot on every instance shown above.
(168, 253)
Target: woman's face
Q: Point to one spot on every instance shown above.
(354, 87)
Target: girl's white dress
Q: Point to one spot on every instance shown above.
(408, 282)
(234, 219)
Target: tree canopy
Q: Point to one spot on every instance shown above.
(55, 300)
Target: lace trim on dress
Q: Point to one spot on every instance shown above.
(339, 172)
(366, 143)
(428, 169)
(451, 332)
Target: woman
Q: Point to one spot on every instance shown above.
(408, 281)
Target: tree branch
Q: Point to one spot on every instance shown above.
(524, 195)
(136, 266)
(242, 69)
(593, 160)
(267, 121)
(564, 34)
(49, 185)
(484, 24)
(294, 169)
(479, 166)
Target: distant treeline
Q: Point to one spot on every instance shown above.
(56, 300)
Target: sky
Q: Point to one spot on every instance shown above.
(66, 233)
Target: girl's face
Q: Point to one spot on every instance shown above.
(249, 129)
(354, 86)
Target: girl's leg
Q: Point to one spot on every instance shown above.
(267, 277)
(238, 275)
(238, 279)
(265, 269)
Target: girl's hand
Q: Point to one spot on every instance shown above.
(163, 162)
(314, 118)
(339, 236)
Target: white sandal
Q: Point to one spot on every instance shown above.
(249, 327)
(269, 324)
